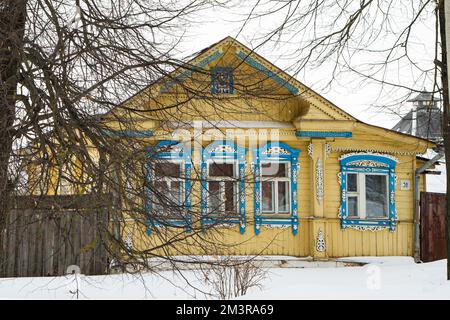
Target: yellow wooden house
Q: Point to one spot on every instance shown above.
(278, 167)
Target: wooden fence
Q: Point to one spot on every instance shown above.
(432, 226)
(45, 235)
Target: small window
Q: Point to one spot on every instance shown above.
(222, 187)
(222, 80)
(275, 187)
(368, 191)
(367, 195)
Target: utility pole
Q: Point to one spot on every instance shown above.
(444, 23)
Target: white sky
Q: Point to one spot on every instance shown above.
(347, 92)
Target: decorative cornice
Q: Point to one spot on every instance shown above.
(384, 151)
(323, 134)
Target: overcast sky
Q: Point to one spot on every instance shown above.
(347, 91)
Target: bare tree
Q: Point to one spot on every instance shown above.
(70, 71)
(231, 277)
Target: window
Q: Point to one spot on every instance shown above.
(275, 187)
(169, 185)
(168, 188)
(368, 191)
(222, 187)
(223, 184)
(222, 80)
(275, 170)
(367, 195)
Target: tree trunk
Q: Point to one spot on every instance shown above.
(446, 119)
(12, 25)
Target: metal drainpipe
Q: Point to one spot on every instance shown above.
(419, 171)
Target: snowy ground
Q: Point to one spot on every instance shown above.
(381, 278)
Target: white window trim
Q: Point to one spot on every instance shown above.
(361, 196)
(275, 191)
(221, 181)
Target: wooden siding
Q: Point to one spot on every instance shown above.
(339, 243)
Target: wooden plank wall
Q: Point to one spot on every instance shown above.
(45, 235)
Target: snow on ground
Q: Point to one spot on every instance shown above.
(381, 278)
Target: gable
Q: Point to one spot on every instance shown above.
(264, 91)
(261, 92)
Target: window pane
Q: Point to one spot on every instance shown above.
(267, 200)
(221, 169)
(175, 193)
(214, 196)
(274, 169)
(167, 169)
(376, 196)
(230, 196)
(161, 189)
(352, 206)
(352, 182)
(283, 196)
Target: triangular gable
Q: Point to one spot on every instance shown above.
(320, 108)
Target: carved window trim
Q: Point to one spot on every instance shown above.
(368, 163)
(224, 151)
(275, 152)
(176, 152)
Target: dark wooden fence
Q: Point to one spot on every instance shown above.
(432, 226)
(45, 235)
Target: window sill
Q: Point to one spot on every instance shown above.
(368, 219)
(275, 215)
(171, 222)
(368, 224)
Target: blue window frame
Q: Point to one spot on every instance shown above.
(223, 184)
(164, 189)
(276, 165)
(367, 183)
(222, 80)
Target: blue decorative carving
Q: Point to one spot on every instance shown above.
(324, 134)
(223, 150)
(187, 73)
(368, 163)
(274, 152)
(258, 66)
(176, 151)
(224, 72)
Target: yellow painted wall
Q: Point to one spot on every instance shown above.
(307, 111)
(339, 243)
